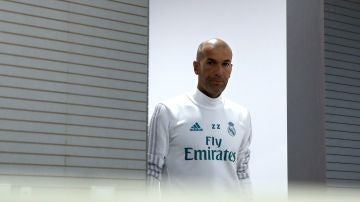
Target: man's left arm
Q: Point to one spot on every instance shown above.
(244, 153)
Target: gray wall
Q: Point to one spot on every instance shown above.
(73, 90)
(305, 92)
(324, 92)
(342, 60)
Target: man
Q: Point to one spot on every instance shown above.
(201, 140)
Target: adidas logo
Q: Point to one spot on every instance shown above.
(196, 127)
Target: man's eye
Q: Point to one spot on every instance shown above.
(226, 64)
(210, 62)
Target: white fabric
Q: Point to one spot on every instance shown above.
(199, 141)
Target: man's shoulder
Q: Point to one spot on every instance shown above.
(236, 107)
(179, 100)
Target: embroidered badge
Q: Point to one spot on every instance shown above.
(231, 129)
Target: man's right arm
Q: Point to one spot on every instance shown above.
(158, 143)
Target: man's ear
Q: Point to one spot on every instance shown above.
(196, 66)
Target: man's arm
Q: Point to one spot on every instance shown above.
(244, 153)
(158, 143)
(243, 166)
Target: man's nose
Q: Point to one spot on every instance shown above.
(219, 70)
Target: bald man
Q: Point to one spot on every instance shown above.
(200, 140)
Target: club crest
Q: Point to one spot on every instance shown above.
(231, 129)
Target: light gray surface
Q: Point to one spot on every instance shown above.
(305, 92)
(73, 83)
(73, 68)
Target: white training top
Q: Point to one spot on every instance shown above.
(199, 141)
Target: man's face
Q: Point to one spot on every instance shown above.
(213, 70)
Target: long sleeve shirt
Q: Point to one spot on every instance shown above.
(198, 141)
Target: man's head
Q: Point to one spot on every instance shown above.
(213, 66)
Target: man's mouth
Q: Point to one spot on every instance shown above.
(217, 80)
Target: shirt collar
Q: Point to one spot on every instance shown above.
(202, 99)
